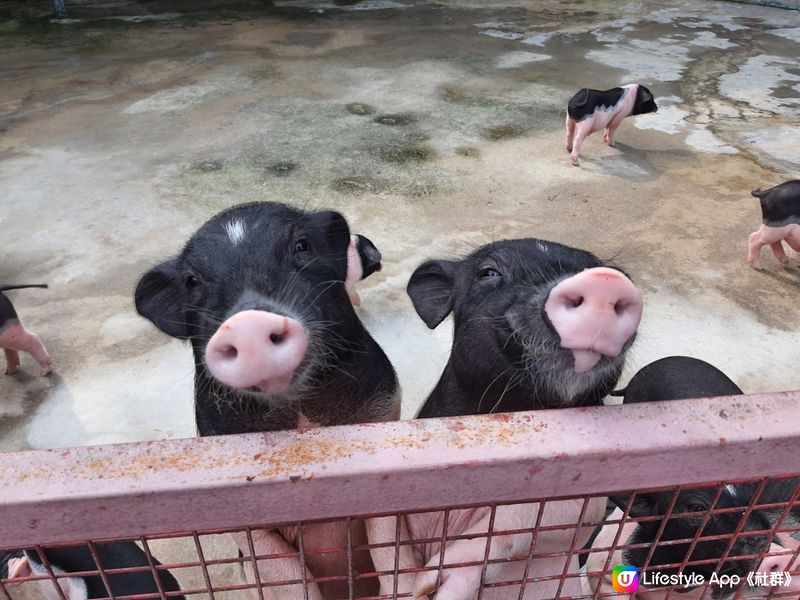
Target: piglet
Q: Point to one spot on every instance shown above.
(15, 338)
(709, 513)
(592, 110)
(536, 325)
(677, 378)
(363, 259)
(260, 292)
(77, 559)
(691, 504)
(674, 378)
(780, 214)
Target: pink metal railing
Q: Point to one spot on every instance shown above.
(196, 487)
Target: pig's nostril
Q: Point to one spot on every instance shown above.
(576, 302)
(276, 338)
(620, 308)
(229, 352)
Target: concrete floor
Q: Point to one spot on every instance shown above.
(119, 136)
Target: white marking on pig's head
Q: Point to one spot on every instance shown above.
(235, 231)
(731, 490)
(542, 247)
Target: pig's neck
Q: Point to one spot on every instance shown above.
(452, 397)
(362, 388)
(626, 103)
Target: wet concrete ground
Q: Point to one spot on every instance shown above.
(433, 127)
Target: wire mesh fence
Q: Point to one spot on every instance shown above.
(690, 499)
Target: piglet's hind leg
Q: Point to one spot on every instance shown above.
(570, 132)
(611, 129)
(37, 350)
(754, 250)
(582, 131)
(793, 238)
(779, 252)
(12, 361)
(16, 338)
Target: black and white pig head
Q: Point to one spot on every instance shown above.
(259, 291)
(536, 324)
(645, 102)
(703, 526)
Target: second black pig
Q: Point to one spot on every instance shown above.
(536, 325)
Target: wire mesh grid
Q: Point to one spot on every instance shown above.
(725, 539)
(737, 537)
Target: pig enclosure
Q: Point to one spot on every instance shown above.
(435, 128)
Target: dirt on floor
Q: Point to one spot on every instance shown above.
(435, 127)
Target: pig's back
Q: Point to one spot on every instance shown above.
(586, 101)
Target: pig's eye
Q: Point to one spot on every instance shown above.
(190, 281)
(695, 507)
(489, 272)
(302, 246)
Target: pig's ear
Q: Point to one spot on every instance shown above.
(18, 568)
(334, 226)
(644, 505)
(159, 298)
(370, 256)
(431, 290)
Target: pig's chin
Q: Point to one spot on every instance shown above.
(568, 362)
(275, 385)
(568, 375)
(275, 390)
(586, 360)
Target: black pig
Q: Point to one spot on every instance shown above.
(259, 291)
(674, 378)
(77, 559)
(695, 514)
(677, 378)
(536, 325)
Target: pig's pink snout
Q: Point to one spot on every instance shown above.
(254, 348)
(594, 313)
(774, 564)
